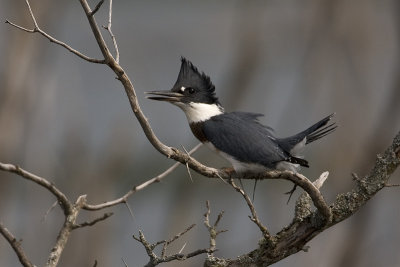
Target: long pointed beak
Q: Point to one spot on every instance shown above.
(164, 96)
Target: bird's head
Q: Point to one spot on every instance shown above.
(193, 92)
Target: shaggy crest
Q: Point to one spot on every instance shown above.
(190, 76)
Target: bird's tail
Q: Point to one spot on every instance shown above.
(319, 129)
(309, 135)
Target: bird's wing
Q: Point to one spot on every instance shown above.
(240, 135)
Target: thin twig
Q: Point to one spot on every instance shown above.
(93, 222)
(51, 38)
(20, 27)
(16, 246)
(187, 165)
(108, 28)
(123, 261)
(183, 247)
(49, 210)
(130, 210)
(392, 185)
(212, 229)
(167, 243)
(97, 7)
(137, 188)
(155, 260)
(254, 217)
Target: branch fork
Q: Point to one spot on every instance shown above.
(155, 260)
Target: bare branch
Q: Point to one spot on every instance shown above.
(167, 243)
(123, 261)
(62, 199)
(129, 89)
(137, 188)
(49, 210)
(16, 246)
(254, 217)
(294, 237)
(65, 232)
(108, 28)
(51, 38)
(20, 27)
(93, 222)
(130, 210)
(155, 260)
(212, 229)
(303, 204)
(392, 185)
(187, 165)
(304, 183)
(97, 7)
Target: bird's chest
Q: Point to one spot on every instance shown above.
(197, 130)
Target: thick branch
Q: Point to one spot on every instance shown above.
(63, 235)
(304, 183)
(294, 237)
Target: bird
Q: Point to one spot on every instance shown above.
(237, 136)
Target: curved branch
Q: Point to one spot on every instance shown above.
(305, 184)
(137, 188)
(62, 199)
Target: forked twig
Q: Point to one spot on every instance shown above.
(61, 198)
(212, 229)
(155, 260)
(93, 222)
(51, 38)
(108, 28)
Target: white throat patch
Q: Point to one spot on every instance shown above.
(196, 112)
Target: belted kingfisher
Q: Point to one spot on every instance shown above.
(238, 136)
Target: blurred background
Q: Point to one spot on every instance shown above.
(295, 61)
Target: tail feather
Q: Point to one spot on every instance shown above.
(311, 134)
(320, 133)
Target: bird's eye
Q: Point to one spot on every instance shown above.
(190, 90)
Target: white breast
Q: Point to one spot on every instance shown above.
(196, 112)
